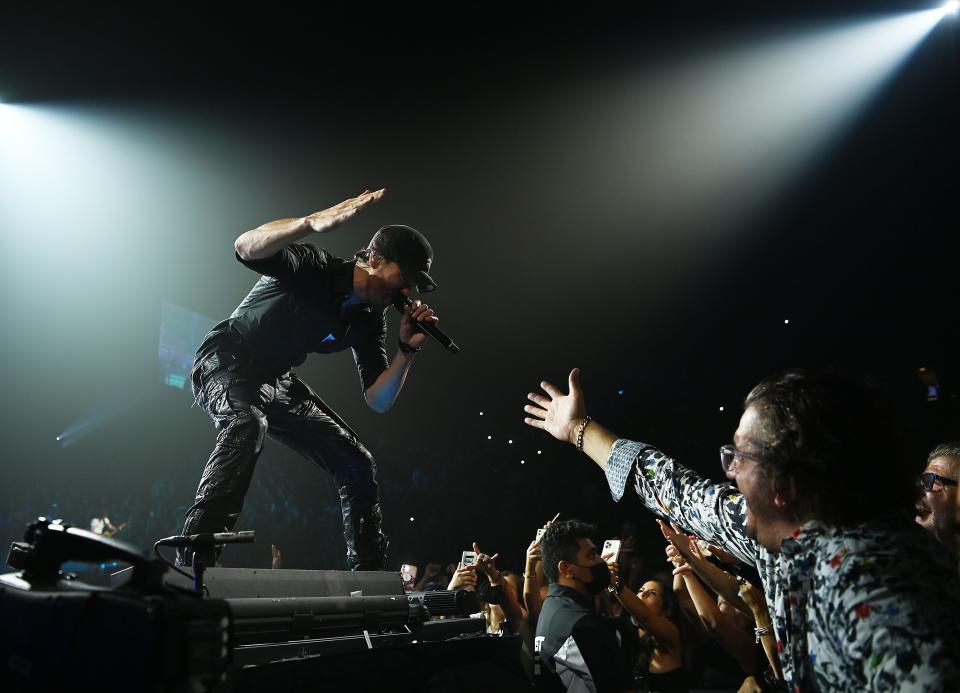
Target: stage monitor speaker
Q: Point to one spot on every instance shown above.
(246, 583)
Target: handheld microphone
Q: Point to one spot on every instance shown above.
(428, 327)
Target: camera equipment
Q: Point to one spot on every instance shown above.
(60, 633)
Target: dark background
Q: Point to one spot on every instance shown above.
(506, 136)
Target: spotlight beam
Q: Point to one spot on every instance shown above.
(700, 145)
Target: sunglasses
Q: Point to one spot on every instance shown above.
(934, 482)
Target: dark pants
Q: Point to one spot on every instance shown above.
(244, 409)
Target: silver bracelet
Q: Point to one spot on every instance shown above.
(760, 632)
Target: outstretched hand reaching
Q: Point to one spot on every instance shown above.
(557, 413)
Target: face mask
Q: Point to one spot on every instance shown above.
(599, 577)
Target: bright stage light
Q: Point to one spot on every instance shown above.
(951, 7)
(705, 141)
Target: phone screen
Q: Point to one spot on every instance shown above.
(468, 558)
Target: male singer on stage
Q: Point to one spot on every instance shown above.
(307, 301)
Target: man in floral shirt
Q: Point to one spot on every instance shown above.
(860, 599)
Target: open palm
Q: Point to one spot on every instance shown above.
(332, 217)
(557, 413)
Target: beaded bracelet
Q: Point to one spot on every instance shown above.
(580, 429)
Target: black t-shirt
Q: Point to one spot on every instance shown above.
(295, 309)
(578, 649)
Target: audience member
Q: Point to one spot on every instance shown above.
(464, 578)
(716, 616)
(936, 508)
(820, 505)
(103, 526)
(535, 586)
(737, 623)
(276, 558)
(504, 609)
(430, 579)
(577, 649)
(662, 667)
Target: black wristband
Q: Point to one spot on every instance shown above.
(406, 348)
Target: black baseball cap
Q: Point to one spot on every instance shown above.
(410, 249)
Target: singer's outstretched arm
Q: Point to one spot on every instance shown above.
(267, 239)
(381, 395)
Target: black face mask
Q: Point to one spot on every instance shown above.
(599, 577)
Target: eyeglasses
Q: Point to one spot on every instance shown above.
(929, 481)
(730, 459)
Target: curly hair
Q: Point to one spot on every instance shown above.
(830, 446)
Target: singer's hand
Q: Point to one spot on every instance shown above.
(330, 218)
(417, 313)
(558, 414)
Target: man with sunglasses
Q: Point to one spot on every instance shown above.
(860, 597)
(936, 507)
(307, 301)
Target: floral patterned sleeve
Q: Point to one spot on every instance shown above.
(715, 512)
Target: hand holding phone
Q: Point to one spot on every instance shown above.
(611, 551)
(544, 528)
(408, 574)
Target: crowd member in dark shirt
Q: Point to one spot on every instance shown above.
(307, 301)
(577, 649)
(661, 643)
